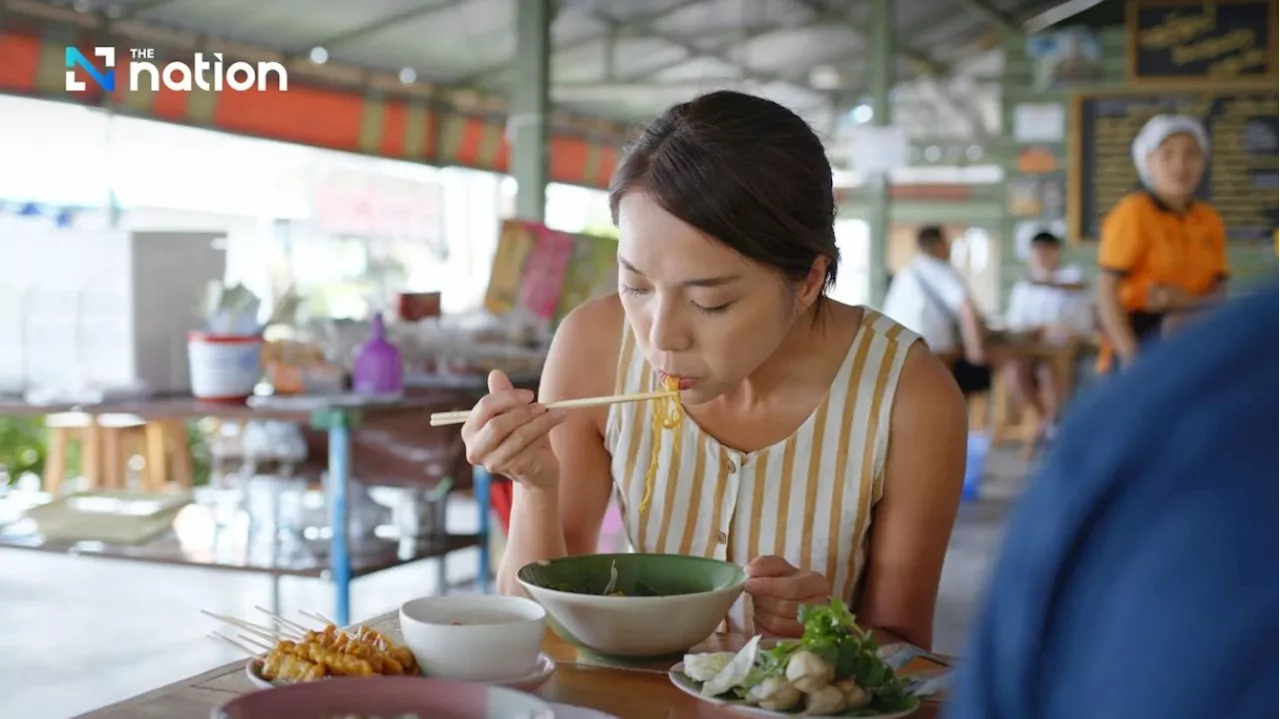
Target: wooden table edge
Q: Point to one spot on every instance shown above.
(930, 707)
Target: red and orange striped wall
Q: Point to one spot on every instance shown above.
(413, 129)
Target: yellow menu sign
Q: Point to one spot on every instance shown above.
(515, 244)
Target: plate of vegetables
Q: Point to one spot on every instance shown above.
(833, 670)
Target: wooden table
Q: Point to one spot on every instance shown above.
(634, 693)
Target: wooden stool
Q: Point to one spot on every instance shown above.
(123, 436)
(979, 412)
(1011, 422)
(65, 428)
(168, 455)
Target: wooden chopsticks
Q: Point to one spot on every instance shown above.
(441, 419)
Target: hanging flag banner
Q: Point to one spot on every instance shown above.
(544, 271)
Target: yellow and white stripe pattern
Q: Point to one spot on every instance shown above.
(807, 499)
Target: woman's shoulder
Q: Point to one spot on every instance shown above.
(583, 358)
(1206, 212)
(923, 378)
(879, 323)
(1135, 201)
(927, 394)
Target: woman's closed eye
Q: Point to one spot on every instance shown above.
(707, 309)
(713, 310)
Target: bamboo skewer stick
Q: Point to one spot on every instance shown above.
(264, 632)
(256, 642)
(440, 419)
(296, 627)
(222, 637)
(316, 617)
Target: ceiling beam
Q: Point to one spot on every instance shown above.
(135, 9)
(749, 73)
(747, 35)
(926, 63)
(413, 13)
(639, 25)
(991, 14)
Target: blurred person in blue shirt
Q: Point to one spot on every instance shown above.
(1139, 573)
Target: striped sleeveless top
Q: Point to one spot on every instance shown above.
(807, 499)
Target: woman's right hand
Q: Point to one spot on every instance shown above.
(508, 433)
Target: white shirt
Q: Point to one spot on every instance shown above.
(1032, 306)
(926, 297)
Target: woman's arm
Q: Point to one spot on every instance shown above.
(565, 518)
(1114, 320)
(911, 525)
(1120, 249)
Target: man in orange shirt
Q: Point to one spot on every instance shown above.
(1163, 252)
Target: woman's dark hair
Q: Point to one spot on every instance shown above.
(743, 170)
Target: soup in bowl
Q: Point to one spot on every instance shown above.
(639, 606)
(475, 638)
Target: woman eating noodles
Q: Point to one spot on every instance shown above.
(823, 446)
(1163, 251)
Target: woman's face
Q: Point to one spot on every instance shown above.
(699, 310)
(1176, 166)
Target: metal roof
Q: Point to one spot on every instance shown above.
(628, 59)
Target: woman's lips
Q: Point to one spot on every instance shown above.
(684, 382)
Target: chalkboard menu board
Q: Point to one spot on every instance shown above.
(1240, 181)
(1184, 39)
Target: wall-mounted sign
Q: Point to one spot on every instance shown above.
(1039, 122)
(879, 149)
(1066, 57)
(1037, 160)
(373, 206)
(1241, 178)
(1218, 39)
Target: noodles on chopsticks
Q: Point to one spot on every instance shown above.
(668, 414)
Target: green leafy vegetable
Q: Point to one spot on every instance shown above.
(830, 631)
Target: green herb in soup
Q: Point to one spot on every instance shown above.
(612, 587)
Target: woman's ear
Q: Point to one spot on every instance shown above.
(812, 285)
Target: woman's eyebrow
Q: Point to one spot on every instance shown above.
(716, 281)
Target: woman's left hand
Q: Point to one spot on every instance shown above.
(778, 590)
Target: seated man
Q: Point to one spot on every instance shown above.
(1048, 307)
(930, 298)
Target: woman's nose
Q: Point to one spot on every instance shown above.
(667, 334)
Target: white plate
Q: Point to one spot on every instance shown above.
(545, 667)
(690, 687)
(569, 711)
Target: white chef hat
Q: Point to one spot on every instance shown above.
(1157, 130)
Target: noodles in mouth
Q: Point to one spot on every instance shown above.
(668, 414)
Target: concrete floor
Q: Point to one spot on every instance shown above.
(77, 634)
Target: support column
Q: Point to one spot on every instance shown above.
(882, 66)
(530, 108)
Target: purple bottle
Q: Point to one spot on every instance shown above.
(378, 367)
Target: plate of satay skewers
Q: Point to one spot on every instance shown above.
(292, 653)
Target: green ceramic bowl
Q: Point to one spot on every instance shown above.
(663, 603)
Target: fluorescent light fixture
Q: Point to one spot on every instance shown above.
(1057, 14)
